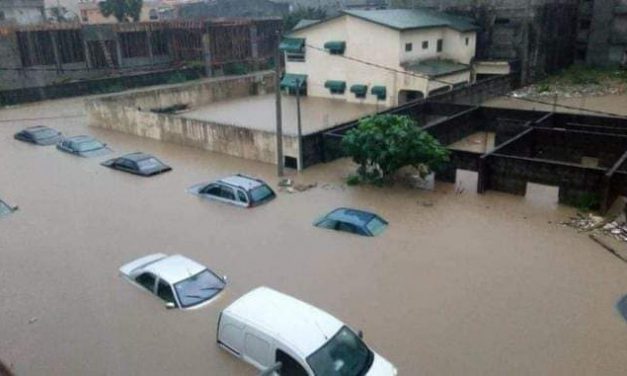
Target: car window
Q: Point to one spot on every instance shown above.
(164, 291)
(242, 196)
(149, 164)
(147, 280)
(124, 163)
(347, 227)
(261, 193)
(290, 367)
(5, 209)
(213, 190)
(327, 223)
(376, 226)
(227, 193)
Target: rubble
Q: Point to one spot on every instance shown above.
(289, 186)
(567, 91)
(615, 228)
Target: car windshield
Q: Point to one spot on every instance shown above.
(261, 193)
(199, 288)
(5, 209)
(376, 226)
(149, 164)
(343, 355)
(45, 133)
(89, 145)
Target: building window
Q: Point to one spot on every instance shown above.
(298, 57)
(501, 21)
(71, 46)
(134, 44)
(84, 16)
(2, 16)
(408, 47)
(440, 45)
(35, 48)
(467, 41)
(153, 14)
(159, 43)
(425, 45)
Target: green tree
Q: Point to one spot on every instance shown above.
(382, 144)
(122, 10)
(303, 13)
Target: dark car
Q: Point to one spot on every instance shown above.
(6, 209)
(354, 221)
(84, 146)
(138, 164)
(239, 190)
(39, 135)
(622, 307)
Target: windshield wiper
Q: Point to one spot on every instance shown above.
(194, 296)
(212, 288)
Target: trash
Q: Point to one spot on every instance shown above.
(616, 228)
(33, 320)
(285, 183)
(426, 204)
(305, 187)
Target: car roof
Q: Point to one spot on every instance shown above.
(79, 139)
(301, 326)
(242, 181)
(37, 128)
(353, 216)
(174, 268)
(135, 157)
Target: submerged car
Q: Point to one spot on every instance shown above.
(84, 146)
(265, 328)
(240, 190)
(138, 164)
(39, 135)
(6, 209)
(354, 221)
(179, 281)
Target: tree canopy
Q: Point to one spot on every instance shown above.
(382, 144)
(303, 13)
(122, 10)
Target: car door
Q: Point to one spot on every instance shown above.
(228, 194)
(212, 191)
(257, 349)
(124, 165)
(242, 198)
(166, 293)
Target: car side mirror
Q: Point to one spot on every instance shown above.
(225, 278)
(15, 208)
(270, 371)
(360, 334)
(170, 305)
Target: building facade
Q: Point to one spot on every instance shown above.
(47, 54)
(602, 32)
(232, 8)
(152, 10)
(536, 37)
(383, 57)
(21, 12)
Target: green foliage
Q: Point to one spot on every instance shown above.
(303, 13)
(122, 10)
(176, 78)
(584, 75)
(382, 144)
(544, 87)
(111, 88)
(352, 180)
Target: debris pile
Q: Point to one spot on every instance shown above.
(289, 186)
(567, 91)
(616, 230)
(585, 222)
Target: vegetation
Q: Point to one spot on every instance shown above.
(122, 10)
(303, 13)
(584, 75)
(588, 202)
(235, 69)
(382, 144)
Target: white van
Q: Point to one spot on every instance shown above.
(265, 327)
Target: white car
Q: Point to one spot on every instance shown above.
(180, 282)
(239, 190)
(265, 328)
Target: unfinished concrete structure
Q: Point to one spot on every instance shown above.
(535, 36)
(602, 32)
(583, 158)
(21, 12)
(232, 8)
(47, 54)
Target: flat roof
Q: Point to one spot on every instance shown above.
(435, 67)
(258, 112)
(175, 268)
(242, 181)
(299, 325)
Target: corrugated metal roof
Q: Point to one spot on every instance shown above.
(435, 67)
(304, 23)
(406, 19)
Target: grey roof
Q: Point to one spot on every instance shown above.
(304, 23)
(435, 67)
(407, 19)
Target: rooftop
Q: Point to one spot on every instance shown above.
(242, 181)
(407, 19)
(302, 326)
(435, 67)
(175, 268)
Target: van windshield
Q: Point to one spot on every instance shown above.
(343, 355)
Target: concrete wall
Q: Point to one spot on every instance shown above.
(130, 113)
(21, 12)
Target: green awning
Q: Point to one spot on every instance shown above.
(379, 91)
(292, 45)
(359, 90)
(336, 87)
(292, 81)
(335, 47)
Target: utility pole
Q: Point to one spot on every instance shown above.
(300, 128)
(279, 120)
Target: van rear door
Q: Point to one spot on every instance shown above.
(231, 334)
(257, 349)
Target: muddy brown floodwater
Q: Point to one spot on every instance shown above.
(470, 285)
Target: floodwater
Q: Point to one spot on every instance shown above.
(478, 142)
(459, 284)
(316, 113)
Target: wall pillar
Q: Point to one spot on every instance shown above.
(206, 53)
(55, 49)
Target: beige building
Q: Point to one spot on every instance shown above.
(422, 52)
(152, 10)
